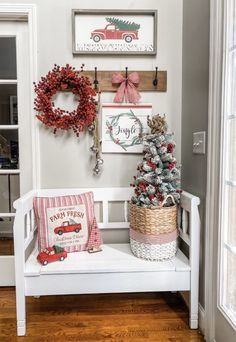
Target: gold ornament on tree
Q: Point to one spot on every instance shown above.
(157, 124)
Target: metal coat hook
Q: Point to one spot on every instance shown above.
(155, 81)
(126, 76)
(95, 82)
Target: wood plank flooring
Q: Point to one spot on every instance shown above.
(6, 246)
(135, 317)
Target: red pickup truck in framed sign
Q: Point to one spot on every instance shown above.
(111, 31)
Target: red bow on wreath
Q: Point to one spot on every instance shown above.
(127, 90)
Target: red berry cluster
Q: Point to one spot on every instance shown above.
(65, 78)
(142, 187)
(151, 164)
(171, 165)
(170, 148)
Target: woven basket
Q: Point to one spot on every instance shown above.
(155, 220)
(162, 252)
(153, 231)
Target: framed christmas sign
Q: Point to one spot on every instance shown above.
(114, 32)
(123, 127)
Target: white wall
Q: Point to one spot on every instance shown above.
(66, 160)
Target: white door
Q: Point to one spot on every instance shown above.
(15, 134)
(225, 305)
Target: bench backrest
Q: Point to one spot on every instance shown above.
(103, 199)
(188, 218)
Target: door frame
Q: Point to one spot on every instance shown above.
(27, 12)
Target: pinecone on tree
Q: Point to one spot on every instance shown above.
(158, 174)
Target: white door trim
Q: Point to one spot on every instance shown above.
(27, 12)
(214, 129)
(24, 12)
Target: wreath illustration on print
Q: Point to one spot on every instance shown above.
(114, 129)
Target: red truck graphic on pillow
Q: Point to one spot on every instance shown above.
(116, 29)
(68, 227)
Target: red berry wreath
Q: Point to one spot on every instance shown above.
(58, 79)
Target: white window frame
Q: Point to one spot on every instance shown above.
(9, 172)
(223, 246)
(213, 160)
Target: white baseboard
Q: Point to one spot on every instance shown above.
(201, 312)
(7, 235)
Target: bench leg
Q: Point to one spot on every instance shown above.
(193, 323)
(193, 314)
(194, 257)
(20, 328)
(20, 313)
(19, 251)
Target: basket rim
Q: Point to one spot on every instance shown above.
(155, 207)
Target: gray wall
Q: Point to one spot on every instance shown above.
(196, 21)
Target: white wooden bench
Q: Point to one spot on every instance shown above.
(115, 269)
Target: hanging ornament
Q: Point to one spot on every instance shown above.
(100, 161)
(96, 170)
(91, 128)
(94, 149)
(94, 130)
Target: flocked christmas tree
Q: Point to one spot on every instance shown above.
(158, 174)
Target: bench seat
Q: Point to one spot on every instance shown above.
(113, 258)
(113, 270)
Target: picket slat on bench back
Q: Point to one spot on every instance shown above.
(105, 212)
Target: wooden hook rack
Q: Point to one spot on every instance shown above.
(145, 83)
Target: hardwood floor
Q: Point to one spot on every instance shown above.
(138, 317)
(6, 246)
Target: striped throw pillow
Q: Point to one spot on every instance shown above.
(67, 221)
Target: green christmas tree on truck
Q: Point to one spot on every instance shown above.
(158, 174)
(123, 25)
(116, 29)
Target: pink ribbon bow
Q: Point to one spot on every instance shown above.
(127, 90)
